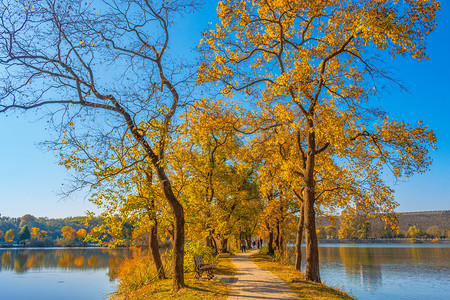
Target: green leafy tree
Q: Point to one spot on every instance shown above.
(24, 234)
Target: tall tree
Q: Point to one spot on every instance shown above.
(310, 67)
(24, 234)
(216, 183)
(106, 67)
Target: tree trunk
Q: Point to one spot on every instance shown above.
(278, 236)
(211, 242)
(270, 243)
(312, 249)
(154, 249)
(153, 244)
(223, 245)
(248, 239)
(178, 236)
(298, 241)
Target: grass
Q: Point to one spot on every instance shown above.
(296, 280)
(195, 289)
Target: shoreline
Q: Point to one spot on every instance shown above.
(385, 241)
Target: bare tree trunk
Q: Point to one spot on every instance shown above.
(270, 243)
(223, 245)
(298, 241)
(211, 241)
(278, 236)
(153, 244)
(312, 249)
(248, 239)
(178, 236)
(154, 249)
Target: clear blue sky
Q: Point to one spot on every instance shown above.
(30, 178)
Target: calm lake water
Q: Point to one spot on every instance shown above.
(68, 274)
(387, 271)
(366, 271)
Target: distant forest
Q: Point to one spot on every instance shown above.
(77, 231)
(70, 231)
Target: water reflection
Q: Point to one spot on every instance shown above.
(360, 264)
(23, 260)
(387, 271)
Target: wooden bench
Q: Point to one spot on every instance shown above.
(200, 267)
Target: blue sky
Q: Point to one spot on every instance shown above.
(30, 178)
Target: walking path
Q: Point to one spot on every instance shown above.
(252, 282)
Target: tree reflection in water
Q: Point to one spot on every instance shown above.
(362, 263)
(374, 271)
(22, 260)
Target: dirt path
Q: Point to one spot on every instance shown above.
(252, 282)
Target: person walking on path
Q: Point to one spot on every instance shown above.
(256, 283)
(242, 246)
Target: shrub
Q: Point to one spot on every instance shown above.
(138, 271)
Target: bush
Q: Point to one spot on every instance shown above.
(138, 271)
(65, 242)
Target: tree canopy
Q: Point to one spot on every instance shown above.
(293, 132)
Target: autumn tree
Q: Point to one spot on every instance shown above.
(42, 235)
(432, 231)
(415, 232)
(331, 231)
(103, 70)
(353, 224)
(126, 191)
(310, 68)
(9, 235)
(81, 234)
(29, 220)
(217, 185)
(35, 232)
(2, 234)
(69, 233)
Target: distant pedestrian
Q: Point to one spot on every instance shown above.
(258, 244)
(254, 243)
(242, 245)
(261, 242)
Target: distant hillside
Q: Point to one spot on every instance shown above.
(421, 219)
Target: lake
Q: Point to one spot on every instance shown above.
(377, 271)
(366, 271)
(49, 273)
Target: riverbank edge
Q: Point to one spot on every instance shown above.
(296, 279)
(403, 241)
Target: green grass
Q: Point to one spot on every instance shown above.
(296, 280)
(195, 289)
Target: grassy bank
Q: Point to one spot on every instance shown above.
(296, 280)
(195, 289)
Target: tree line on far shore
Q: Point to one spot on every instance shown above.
(78, 231)
(45, 232)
